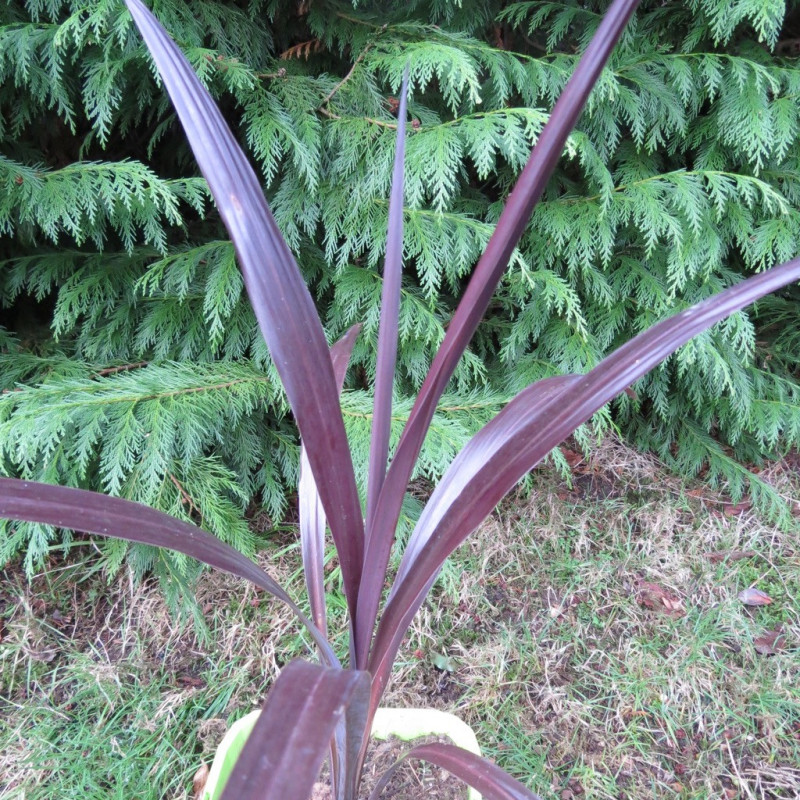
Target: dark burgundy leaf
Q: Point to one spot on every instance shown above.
(475, 301)
(523, 433)
(284, 752)
(90, 512)
(278, 294)
(311, 512)
(770, 642)
(484, 776)
(312, 542)
(390, 313)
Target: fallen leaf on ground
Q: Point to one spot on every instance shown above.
(729, 555)
(558, 604)
(651, 595)
(190, 680)
(734, 509)
(199, 781)
(443, 663)
(630, 713)
(770, 642)
(571, 456)
(754, 597)
(43, 654)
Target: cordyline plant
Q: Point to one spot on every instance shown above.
(315, 709)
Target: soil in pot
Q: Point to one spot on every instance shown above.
(413, 779)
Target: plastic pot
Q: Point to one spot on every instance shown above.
(404, 723)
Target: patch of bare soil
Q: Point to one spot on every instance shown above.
(413, 779)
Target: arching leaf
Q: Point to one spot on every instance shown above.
(521, 435)
(90, 512)
(491, 781)
(390, 312)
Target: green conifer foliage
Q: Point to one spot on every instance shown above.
(131, 362)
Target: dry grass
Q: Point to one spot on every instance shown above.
(579, 676)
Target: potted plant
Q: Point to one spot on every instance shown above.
(318, 709)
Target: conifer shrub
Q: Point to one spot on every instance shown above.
(132, 357)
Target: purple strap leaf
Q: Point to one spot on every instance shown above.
(278, 294)
(473, 305)
(481, 774)
(284, 752)
(390, 314)
(90, 512)
(311, 512)
(312, 541)
(312, 544)
(521, 435)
